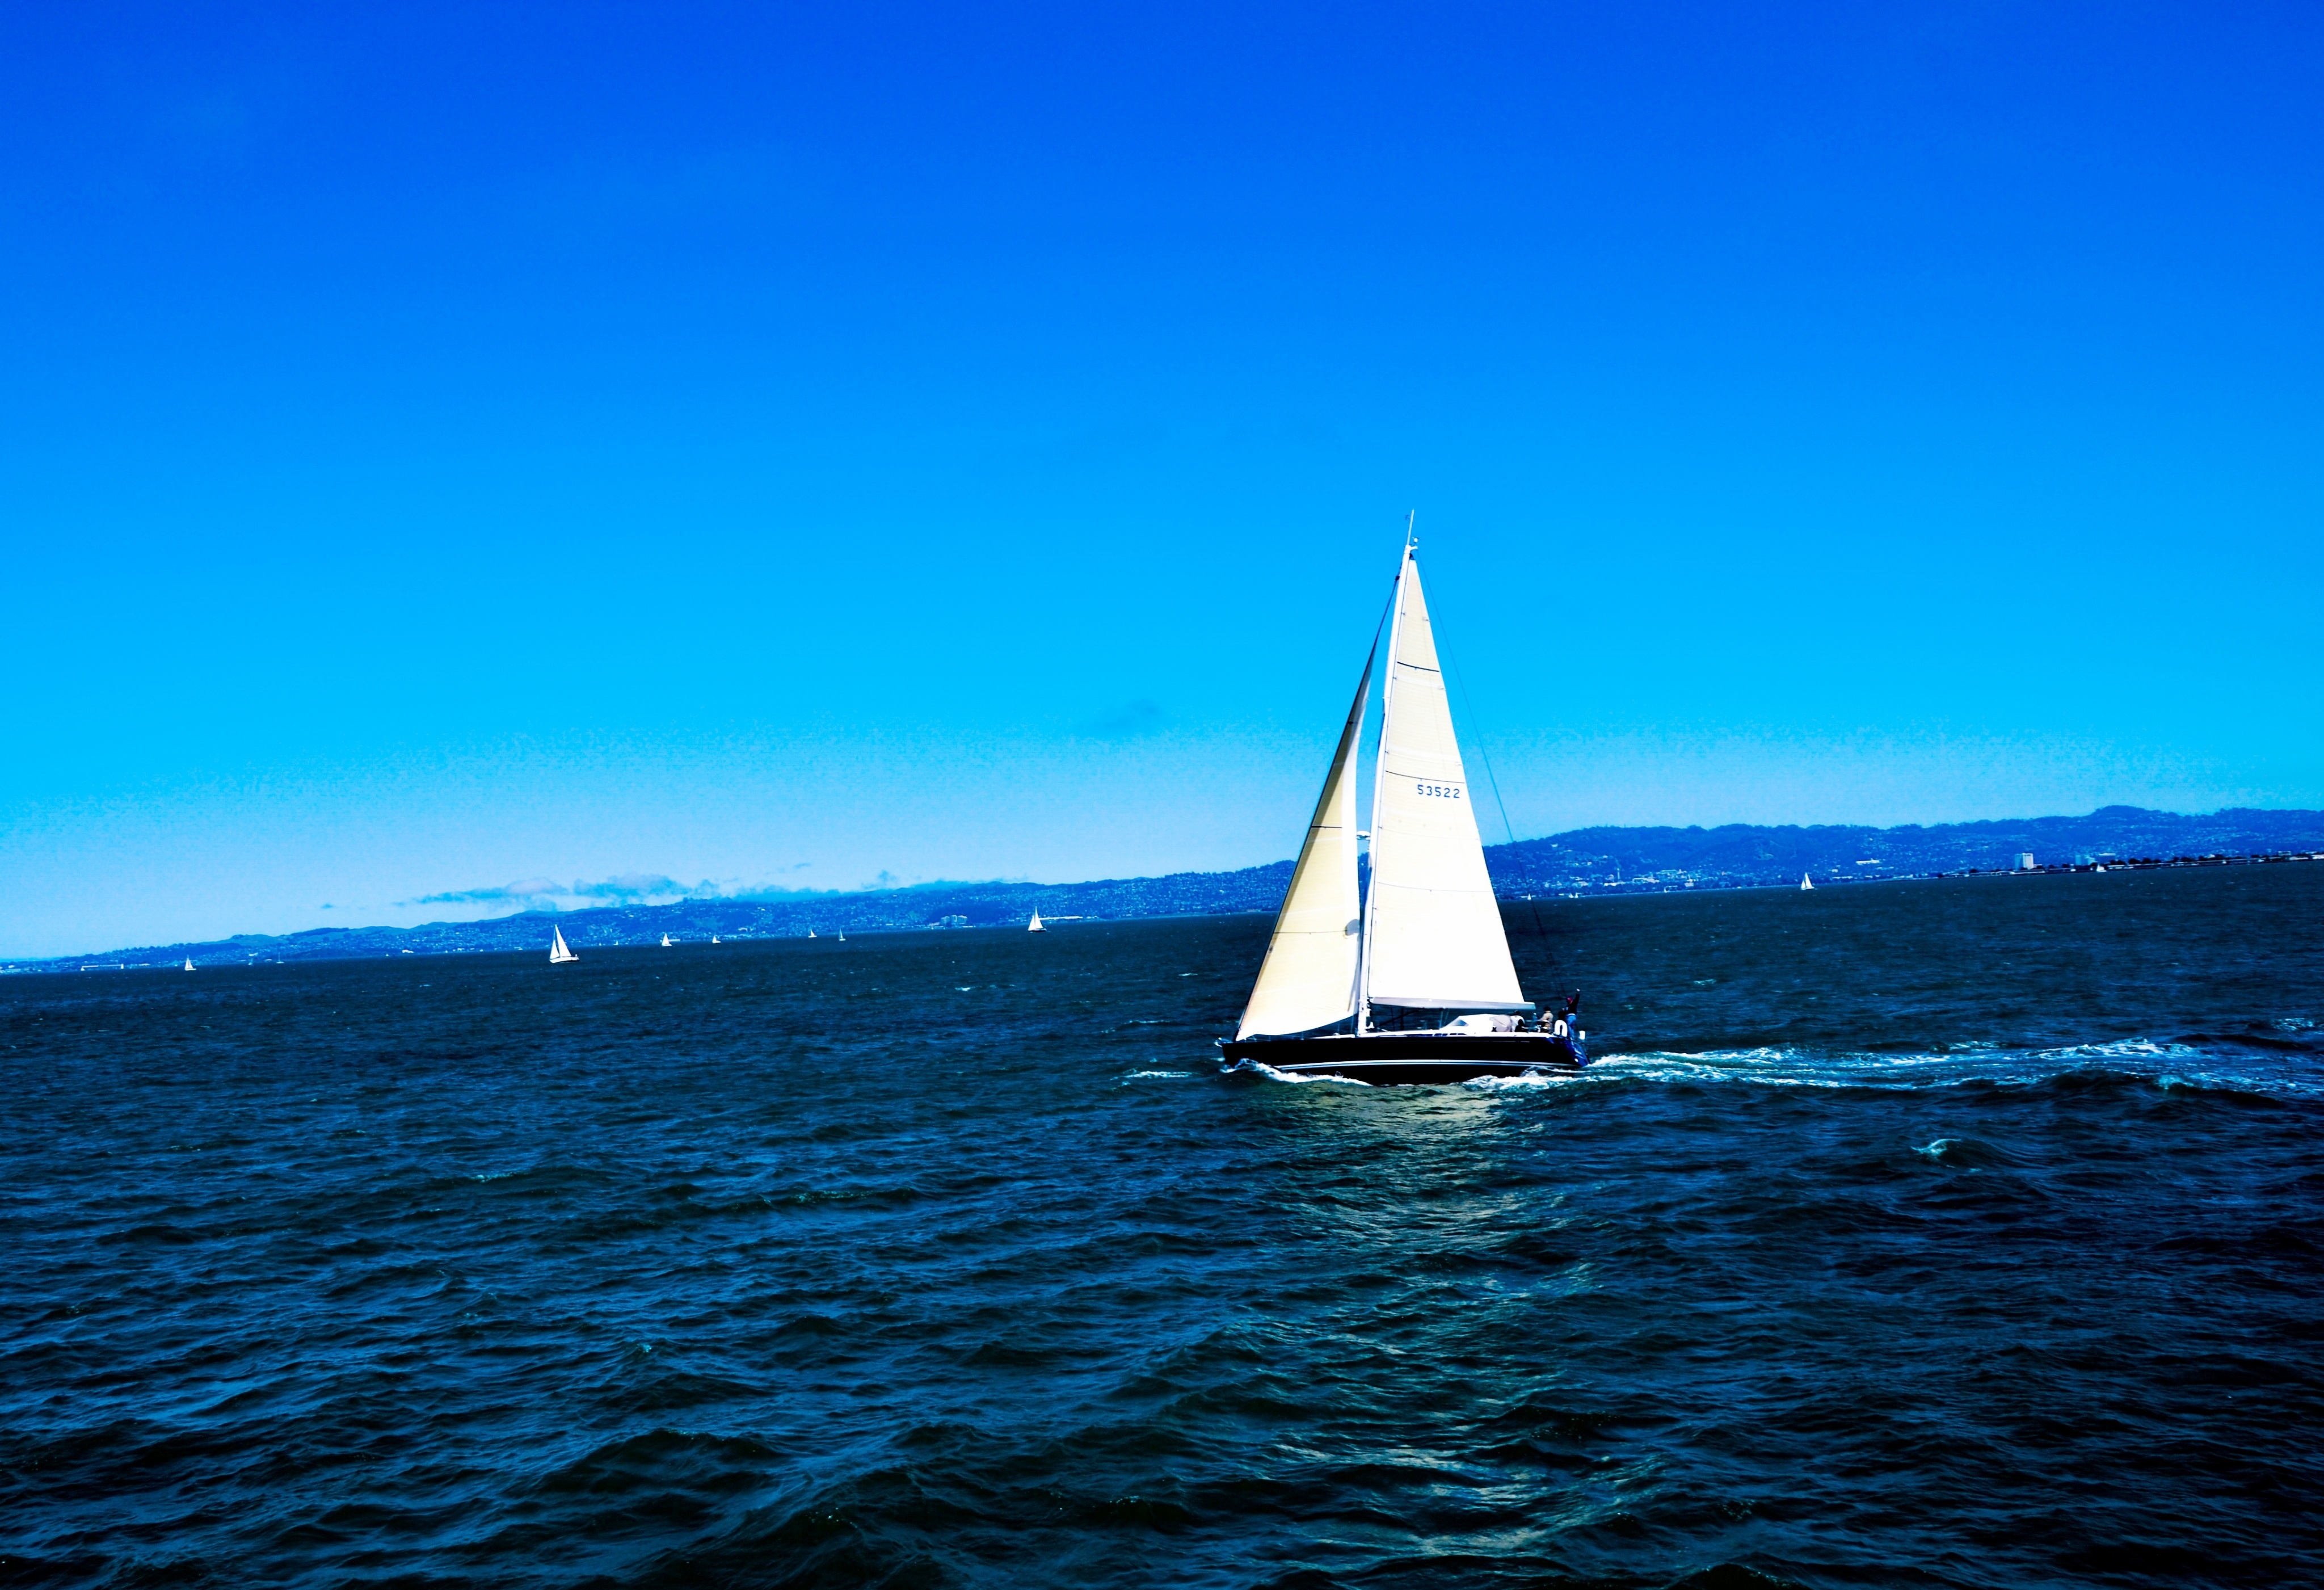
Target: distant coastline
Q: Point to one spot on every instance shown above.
(1586, 863)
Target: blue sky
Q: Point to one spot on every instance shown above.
(446, 447)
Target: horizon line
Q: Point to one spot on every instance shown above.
(809, 896)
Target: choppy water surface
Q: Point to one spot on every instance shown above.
(1935, 1234)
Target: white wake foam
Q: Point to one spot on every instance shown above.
(1272, 1074)
(1529, 1082)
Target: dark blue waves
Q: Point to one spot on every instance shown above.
(1943, 1234)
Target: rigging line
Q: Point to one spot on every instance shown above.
(1356, 753)
(1370, 658)
(1533, 892)
(1385, 608)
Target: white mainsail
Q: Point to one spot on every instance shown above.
(1308, 979)
(666, 943)
(558, 951)
(1035, 927)
(1805, 883)
(189, 963)
(1432, 936)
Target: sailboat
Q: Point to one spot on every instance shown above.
(714, 939)
(1805, 882)
(1035, 925)
(810, 932)
(843, 935)
(189, 963)
(1411, 980)
(557, 952)
(665, 943)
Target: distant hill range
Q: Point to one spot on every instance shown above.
(1740, 855)
(1595, 861)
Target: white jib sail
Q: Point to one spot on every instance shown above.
(1308, 979)
(1435, 940)
(1034, 926)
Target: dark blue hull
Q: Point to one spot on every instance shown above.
(1422, 1058)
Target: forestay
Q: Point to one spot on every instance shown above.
(1436, 939)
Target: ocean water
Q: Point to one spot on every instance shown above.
(1940, 1233)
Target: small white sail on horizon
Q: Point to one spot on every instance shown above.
(1805, 882)
(1035, 925)
(189, 963)
(714, 939)
(810, 932)
(665, 943)
(558, 951)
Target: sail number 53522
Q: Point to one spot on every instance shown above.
(1448, 792)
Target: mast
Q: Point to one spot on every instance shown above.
(1379, 773)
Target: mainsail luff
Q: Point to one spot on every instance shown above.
(1432, 936)
(1308, 979)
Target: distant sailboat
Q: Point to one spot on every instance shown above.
(1034, 926)
(843, 935)
(810, 932)
(189, 963)
(1423, 951)
(1805, 882)
(714, 939)
(557, 953)
(665, 943)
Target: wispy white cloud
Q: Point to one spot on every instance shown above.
(622, 889)
(626, 889)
